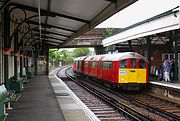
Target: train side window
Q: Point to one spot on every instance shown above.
(110, 65)
(123, 64)
(142, 64)
(103, 65)
(133, 63)
(94, 64)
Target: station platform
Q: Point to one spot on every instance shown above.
(37, 103)
(173, 84)
(47, 98)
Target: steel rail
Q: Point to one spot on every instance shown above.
(116, 104)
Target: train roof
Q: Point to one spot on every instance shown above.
(83, 57)
(110, 57)
(98, 57)
(89, 58)
(121, 56)
(77, 58)
(80, 58)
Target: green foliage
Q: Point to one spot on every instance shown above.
(80, 52)
(55, 57)
(108, 32)
(64, 57)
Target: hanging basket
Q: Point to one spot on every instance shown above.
(17, 53)
(6, 51)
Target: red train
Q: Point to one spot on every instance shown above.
(128, 70)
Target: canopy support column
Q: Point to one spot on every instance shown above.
(148, 40)
(176, 56)
(6, 45)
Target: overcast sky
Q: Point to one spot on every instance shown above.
(139, 11)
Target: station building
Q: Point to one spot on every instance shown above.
(30, 28)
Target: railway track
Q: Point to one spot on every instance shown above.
(101, 109)
(123, 113)
(129, 104)
(165, 106)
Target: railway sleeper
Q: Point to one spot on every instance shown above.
(112, 118)
(103, 112)
(103, 109)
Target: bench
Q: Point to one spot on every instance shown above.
(24, 79)
(6, 97)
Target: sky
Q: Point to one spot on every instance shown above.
(139, 11)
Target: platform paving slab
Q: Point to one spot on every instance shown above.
(72, 107)
(37, 103)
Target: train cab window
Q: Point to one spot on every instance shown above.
(142, 64)
(123, 64)
(133, 63)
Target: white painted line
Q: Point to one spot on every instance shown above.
(171, 85)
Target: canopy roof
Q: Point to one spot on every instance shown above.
(61, 20)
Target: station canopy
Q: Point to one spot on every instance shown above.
(157, 26)
(61, 20)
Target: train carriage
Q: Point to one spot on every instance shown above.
(81, 64)
(87, 67)
(128, 70)
(75, 64)
(96, 66)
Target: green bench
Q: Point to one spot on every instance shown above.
(6, 97)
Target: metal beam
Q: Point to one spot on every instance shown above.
(48, 32)
(43, 36)
(50, 26)
(50, 43)
(47, 40)
(48, 9)
(80, 46)
(48, 13)
(112, 1)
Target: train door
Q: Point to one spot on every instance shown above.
(132, 74)
(141, 71)
(99, 69)
(99, 73)
(123, 72)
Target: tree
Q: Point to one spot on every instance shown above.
(52, 56)
(108, 32)
(80, 52)
(55, 57)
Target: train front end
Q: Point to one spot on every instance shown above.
(133, 73)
